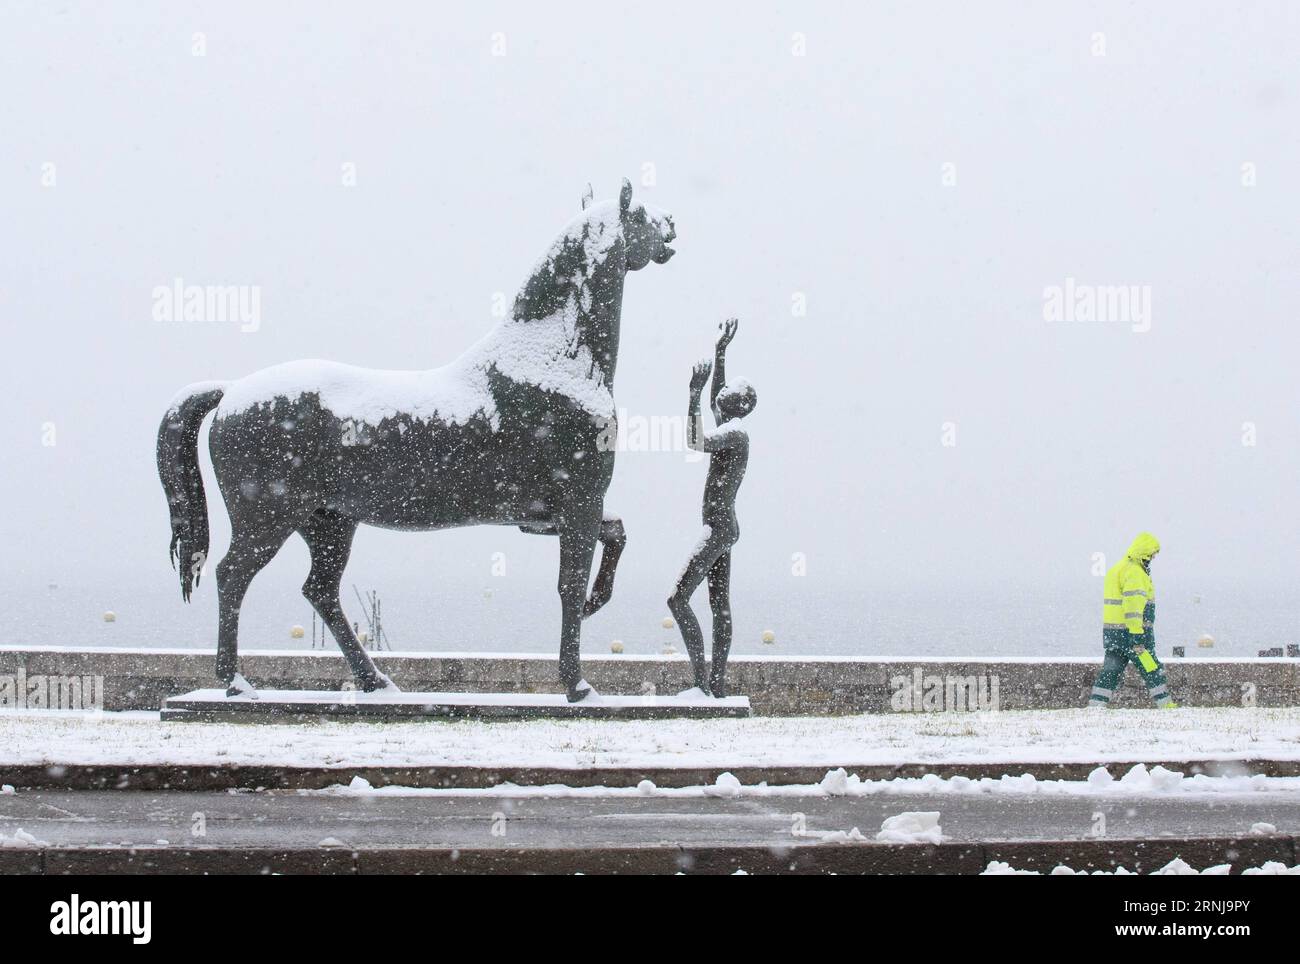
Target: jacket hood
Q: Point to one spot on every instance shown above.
(1144, 547)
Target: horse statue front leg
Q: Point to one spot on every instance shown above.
(612, 538)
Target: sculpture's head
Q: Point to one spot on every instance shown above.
(736, 400)
(646, 229)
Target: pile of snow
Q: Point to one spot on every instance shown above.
(836, 782)
(6, 791)
(727, 785)
(998, 868)
(839, 836)
(840, 783)
(694, 694)
(911, 827)
(21, 840)
(1181, 868)
(1272, 868)
(1175, 868)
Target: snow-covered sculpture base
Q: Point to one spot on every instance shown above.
(287, 706)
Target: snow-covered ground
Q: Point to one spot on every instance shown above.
(34, 737)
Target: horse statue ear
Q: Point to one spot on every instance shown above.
(625, 196)
(586, 197)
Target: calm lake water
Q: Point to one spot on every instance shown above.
(523, 616)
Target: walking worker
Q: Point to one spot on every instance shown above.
(1128, 626)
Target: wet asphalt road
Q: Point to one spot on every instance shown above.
(290, 819)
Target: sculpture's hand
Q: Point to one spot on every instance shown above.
(700, 375)
(728, 329)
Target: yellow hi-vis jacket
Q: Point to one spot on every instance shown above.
(1128, 587)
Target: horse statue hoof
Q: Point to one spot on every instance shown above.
(241, 687)
(579, 691)
(381, 683)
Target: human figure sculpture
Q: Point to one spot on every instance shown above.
(728, 456)
(508, 434)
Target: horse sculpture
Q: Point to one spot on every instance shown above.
(514, 432)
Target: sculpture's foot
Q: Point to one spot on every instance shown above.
(579, 691)
(379, 683)
(695, 693)
(241, 687)
(718, 688)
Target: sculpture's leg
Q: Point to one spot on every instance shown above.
(577, 546)
(612, 540)
(679, 604)
(329, 537)
(251, 548)
(720, 603)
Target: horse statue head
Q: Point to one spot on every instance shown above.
(646, 229)
(580, 276)
(609, 239)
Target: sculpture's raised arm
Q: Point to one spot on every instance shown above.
(720, 363)
(694, 421)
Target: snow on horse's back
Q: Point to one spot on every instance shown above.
(537, 347)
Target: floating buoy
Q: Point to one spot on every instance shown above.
(297, 632)
(110, 617)
(668, 622)
(1206, 641)
(616, 646)
(769, 636)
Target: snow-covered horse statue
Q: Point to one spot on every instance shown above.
(510, 433)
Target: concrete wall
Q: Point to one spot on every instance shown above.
(142, 679)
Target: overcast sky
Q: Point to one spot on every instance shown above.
(914, 175)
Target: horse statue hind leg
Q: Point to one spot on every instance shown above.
(259, 527)
(329, 539)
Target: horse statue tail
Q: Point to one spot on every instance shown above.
(178, 468)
